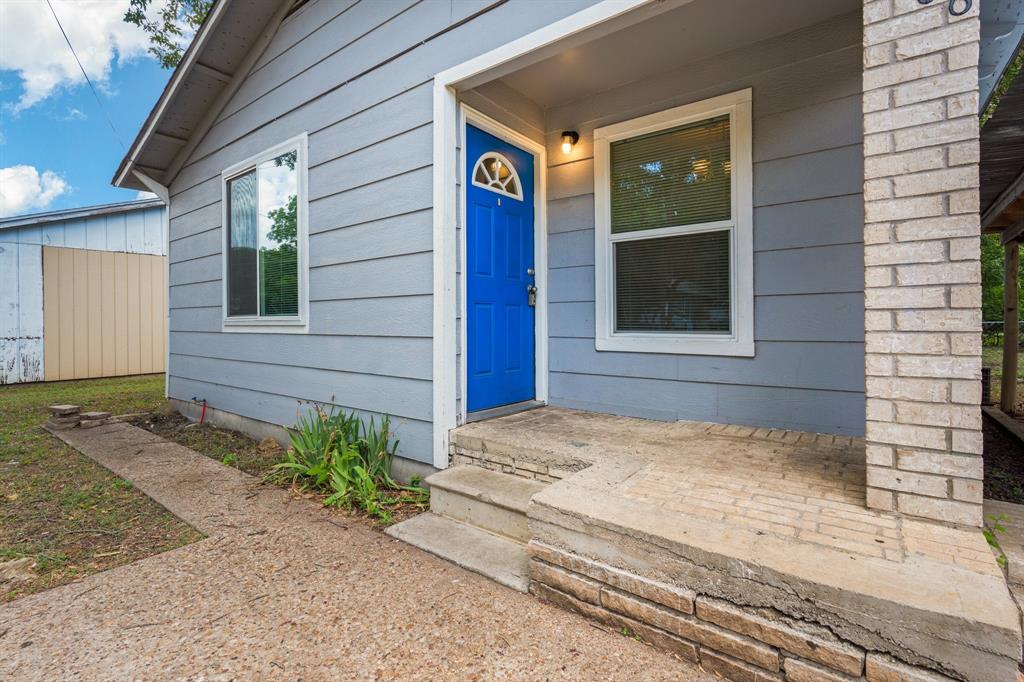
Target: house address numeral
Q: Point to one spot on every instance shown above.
(956, 7)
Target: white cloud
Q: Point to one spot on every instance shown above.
(31, 44)
(23, 188)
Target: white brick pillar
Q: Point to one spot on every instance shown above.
(922, 275)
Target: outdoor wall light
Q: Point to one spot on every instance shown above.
(569, 140)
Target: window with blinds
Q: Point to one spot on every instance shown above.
(674, 243)
(672, 178)
(673, 284)
(263, 239)
(672, 181)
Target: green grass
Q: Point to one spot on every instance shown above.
(72, 516)
(992, 356)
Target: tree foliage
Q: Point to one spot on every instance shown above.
(170, 27)
(992, 278)
(284, 224)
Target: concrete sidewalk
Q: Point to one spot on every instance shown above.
(282, 589)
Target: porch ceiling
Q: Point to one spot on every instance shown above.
(686, 34)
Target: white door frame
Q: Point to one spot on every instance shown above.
(468, 115)
(601, 18)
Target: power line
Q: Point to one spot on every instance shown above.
(95, 94)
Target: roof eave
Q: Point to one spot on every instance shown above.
(75, 213)
(122, 177)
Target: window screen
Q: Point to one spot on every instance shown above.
(677, 284)
(679, 176)
(263, 264)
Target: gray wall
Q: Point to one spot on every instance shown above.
(808, 261)
(329, 72)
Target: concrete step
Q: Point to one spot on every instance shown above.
(487, 499)
(490, 555)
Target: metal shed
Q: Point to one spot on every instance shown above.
(83, 292)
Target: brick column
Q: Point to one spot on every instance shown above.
(922, 275)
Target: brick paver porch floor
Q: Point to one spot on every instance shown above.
(761, 519)
(802, 486)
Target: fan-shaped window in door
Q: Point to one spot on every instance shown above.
(496, 173)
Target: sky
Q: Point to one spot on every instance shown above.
(57, 149)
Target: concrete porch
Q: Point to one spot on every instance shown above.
(734, 541)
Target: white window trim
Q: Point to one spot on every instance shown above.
(741, 342)
(297, 324)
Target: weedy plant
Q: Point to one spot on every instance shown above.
(990, 530)
(349, 459)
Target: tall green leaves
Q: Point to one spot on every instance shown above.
(339, 453)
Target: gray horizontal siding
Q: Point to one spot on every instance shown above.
(808, 262)
(280, 407)
(385, 356)
(370, 191)
(786, 408)
(394, 236)
(386, 394)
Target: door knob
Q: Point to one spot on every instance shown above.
(531, 296)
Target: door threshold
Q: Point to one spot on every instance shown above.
(503, 410)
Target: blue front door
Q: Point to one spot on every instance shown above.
(499, 272)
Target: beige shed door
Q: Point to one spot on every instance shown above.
(104, 313)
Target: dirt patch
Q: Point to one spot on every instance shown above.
(1004, 464)
(63, 516)
(257, 458)
(226, 446)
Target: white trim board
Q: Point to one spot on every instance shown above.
(740, 225)
(469, 115)
(600, 19)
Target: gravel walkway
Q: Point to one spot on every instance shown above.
(282, 589)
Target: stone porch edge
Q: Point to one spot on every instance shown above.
(876, 604)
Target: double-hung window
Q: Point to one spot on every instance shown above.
(265, 252)
(674, 245)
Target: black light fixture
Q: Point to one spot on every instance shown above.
(569, 140)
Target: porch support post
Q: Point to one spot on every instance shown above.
(922, 282)
(1011, 327)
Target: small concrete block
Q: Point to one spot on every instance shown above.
(802, 671)
(582, 588)
(61, 426)
(95, 415)
(677, 598)
(691, 629)
(64, 409)
(881, 668)
(733, 670)
(68, 419)
(732, 644)
(663, 640)
(92, 423)
(641, 610)
(570, 603)
(833, 654)
(658, 638)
